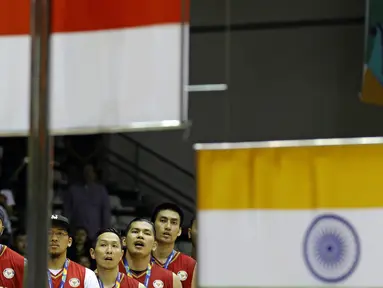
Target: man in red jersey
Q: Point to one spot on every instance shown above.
(192, 232)
(167, 219)
(11, 264)
(140, 243)
(107, 251)
(64, 273)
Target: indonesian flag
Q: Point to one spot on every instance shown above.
(114, 65)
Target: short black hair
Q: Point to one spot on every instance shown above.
(168, 206)
(19, 232)
(140, 219)
(106, 230)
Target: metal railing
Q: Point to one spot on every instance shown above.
(163, 159)
(188, 206)
(148, 177)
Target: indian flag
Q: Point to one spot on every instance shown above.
(114, 65)
(291, 213)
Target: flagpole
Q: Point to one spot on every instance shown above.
(39, 188)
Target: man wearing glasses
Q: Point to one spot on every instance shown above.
(62, 271)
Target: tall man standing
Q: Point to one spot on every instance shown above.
(87, 205)
(167, 219)
(64, 273)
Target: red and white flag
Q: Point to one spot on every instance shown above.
(114, 65)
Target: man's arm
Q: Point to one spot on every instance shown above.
(106, 211)
(194, 279)
(176, 281)
(68, 203)
(90, 279)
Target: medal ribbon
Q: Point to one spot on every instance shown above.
(148, 272)
(116, 285)
(63, 277)
(168, 260)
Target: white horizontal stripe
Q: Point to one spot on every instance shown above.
(265, 248)
(99, 80)
(289, 143)
(206, 87)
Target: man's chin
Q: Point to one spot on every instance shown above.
(108, 265)
(138, 253)
(54, 255)
(166, 240)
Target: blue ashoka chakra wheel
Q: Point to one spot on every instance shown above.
(331, 248)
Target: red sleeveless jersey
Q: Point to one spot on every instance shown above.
(183, 266)
(11, 268)
(159, 277)
(75, 276)
(127, 282)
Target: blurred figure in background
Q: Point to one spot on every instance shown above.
(6, 222)
(20, 242)
(84, 261)
(87, 205)
(192, 232)
(80, 246)
(9, 202)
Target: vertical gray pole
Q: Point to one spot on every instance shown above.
(39, 188)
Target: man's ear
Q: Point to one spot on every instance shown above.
(155, 245)
(70, 241)
(189, 233)
(123, 240)
(92, 253)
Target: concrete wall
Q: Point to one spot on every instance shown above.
(291, 82)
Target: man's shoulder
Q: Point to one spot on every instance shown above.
(89, 271)
(13, 256)
(129, 280)
(75, 265)
(12, 253)
(185, 260)
(162, 271)
(98, 187)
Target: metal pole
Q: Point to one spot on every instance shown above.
(39, 188)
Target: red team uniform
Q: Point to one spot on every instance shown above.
(75, 276)
(128, 282)
(11, 268)
(183, 266)
(159, 277)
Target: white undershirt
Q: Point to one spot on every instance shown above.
(90, 280)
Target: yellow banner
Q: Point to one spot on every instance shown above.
(349, 176)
